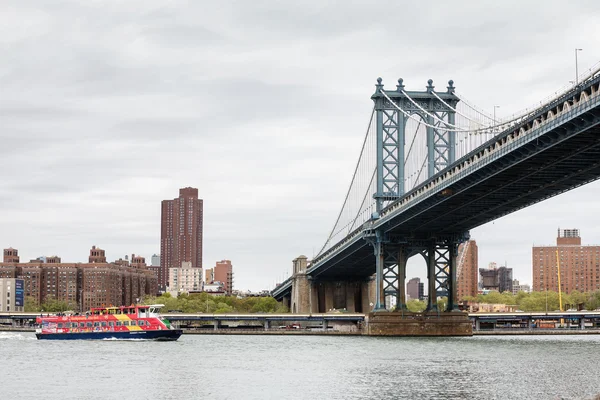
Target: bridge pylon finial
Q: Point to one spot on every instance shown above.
(430, 86)
(379, 85)
(400, 85)
(450, 86)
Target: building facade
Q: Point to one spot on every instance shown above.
(223, 272)
(209, 275)
(12, 295)
(83, 285)
(579, 264)
(415, 289)
(11, 255)
(181, 232)
(185, 278)
(499, 279)
(520, 287)
(466, 280)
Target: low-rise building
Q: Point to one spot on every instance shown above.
(185, 278)
(12, 295)
(517, 287)
(215, 288)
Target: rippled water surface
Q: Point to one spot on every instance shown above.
(302, 367)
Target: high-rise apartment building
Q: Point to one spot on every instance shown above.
(415, 289)
(467, 261)
(579, 265)
(181, 233)
(223, 272)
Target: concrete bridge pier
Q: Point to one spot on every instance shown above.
(313, 295)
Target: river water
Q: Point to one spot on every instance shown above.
(301, 367)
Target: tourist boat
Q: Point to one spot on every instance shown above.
(133, 322)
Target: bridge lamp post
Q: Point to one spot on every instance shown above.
(576, 68)
(495, 116)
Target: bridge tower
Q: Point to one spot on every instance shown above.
(436, 110)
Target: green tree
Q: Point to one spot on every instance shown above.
(416, 305)
(54, 305)
(442, 302)
(31, 304)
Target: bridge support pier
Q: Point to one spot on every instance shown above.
(441, 257)
(429, 323)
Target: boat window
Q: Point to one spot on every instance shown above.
(125, 323)
(74, 324)
(60, 324)
(82, 324)
(89, 324)
(96, 323)
(133, 323)
(118, 323)
(111, 323)
(103, 324)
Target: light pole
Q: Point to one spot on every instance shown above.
(576, 68)
(495, 115)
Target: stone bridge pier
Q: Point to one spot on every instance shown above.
(310, 295)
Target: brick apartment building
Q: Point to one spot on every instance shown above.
(92, 284)
(221, 272)
(180, 233)
(466, 280)
(579, 264)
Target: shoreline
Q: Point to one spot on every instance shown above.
(303, 332)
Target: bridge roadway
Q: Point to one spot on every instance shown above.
(555, 150)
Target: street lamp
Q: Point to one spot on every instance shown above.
(495, 115)
(576, 67)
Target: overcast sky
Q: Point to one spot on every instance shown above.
(109, 107)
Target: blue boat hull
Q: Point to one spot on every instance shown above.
(163, 335)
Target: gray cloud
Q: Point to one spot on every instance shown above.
(107, 108)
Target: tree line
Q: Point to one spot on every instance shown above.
(205, 303)
(541, 301)
(528, 302)
(187, 303)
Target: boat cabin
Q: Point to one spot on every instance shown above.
(137, 311)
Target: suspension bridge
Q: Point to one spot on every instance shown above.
(433, 166)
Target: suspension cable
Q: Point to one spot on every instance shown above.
(458, 112)
(428, 113)
(439, 128)
(351, 182)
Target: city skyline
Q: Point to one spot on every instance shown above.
(104, 120)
